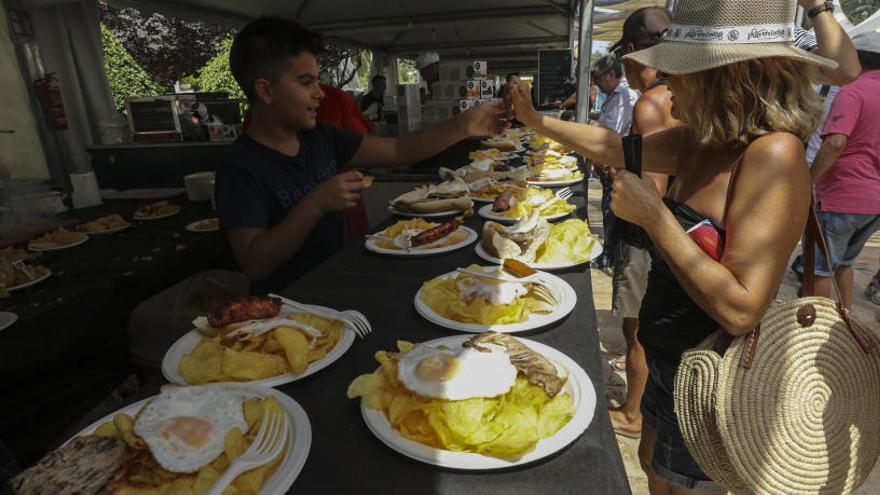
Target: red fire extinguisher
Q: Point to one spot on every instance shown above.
(49, 93)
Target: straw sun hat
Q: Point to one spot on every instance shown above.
(711, 33)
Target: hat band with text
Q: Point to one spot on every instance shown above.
(763, 33)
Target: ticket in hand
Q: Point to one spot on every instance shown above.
(707, 236)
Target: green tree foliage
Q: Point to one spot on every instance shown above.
(216, 76)
(166, 47)
(406, 71)
(127, 79)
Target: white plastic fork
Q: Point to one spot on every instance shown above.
(270, 440)
(354, 319)
(561, 195)
(544, 287)
(362, 322)
(22, 267)
(403, 241)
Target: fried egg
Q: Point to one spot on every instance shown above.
(458, 374)
(186, 427)
(493, 291)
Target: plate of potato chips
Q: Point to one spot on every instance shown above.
(446, 433)
(143, 470)
(282, 354)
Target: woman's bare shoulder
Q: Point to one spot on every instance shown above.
(776, 153)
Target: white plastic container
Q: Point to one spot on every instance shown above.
(199, 186)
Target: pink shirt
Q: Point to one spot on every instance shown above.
(852, 185)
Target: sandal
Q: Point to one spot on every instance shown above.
(627, 433)
(618, 363)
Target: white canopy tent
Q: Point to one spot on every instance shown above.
(506, 33)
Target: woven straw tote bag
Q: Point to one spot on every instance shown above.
(792, 407)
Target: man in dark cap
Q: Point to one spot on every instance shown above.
(632, 262)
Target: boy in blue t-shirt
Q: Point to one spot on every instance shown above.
(279, 195)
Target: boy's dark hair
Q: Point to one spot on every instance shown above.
(375, 78)
(511, 75)
(869, 60)
(264, 47)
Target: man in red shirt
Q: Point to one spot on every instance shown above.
(339, 109)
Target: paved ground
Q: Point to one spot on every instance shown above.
(609, 327)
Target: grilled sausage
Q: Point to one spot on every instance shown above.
(243, 309)
(503, 201)
(435, 233)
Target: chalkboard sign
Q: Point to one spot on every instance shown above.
(157, 114)
(554, 68)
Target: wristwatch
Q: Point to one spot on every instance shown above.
(827, 6)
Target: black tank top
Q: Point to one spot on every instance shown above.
(670, 322)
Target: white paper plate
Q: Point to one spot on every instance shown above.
(193, 227)
(579, 388)
(38, 249)
(186, 344)
(595, 252)
(566, 294)
(32, 282)
(486, 212)
(7, 319)
(449, 213)
(555, 183)
(108, 231)
(373, 245)
(159, 217)
(299, 436)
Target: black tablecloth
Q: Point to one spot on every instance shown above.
(345, 457)
(68, 349)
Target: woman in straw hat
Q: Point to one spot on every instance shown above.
(744, 92)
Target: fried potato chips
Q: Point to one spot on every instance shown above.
(506, 426)
(255, 357)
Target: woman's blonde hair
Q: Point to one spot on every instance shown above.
(737, 103)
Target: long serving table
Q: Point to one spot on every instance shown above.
(345, 457)
(69, 348)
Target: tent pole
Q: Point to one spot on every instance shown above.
(584, 69)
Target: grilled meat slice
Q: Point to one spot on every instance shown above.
(243, 309)
(538, 369)
(503, 201)
(82, 467)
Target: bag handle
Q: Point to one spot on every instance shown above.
(812, 238)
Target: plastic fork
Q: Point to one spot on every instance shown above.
(362, 323)
(561, 195)
(267, 445)
(354, 319)
(403, 241)
(22, 267)
(542, 287)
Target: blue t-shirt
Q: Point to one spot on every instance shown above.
(257, 186)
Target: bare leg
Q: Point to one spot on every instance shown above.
(844, 277)
(646, 452)
(628, 417)
(823, 286)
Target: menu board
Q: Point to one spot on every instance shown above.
(153, 115)
(554, 68)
